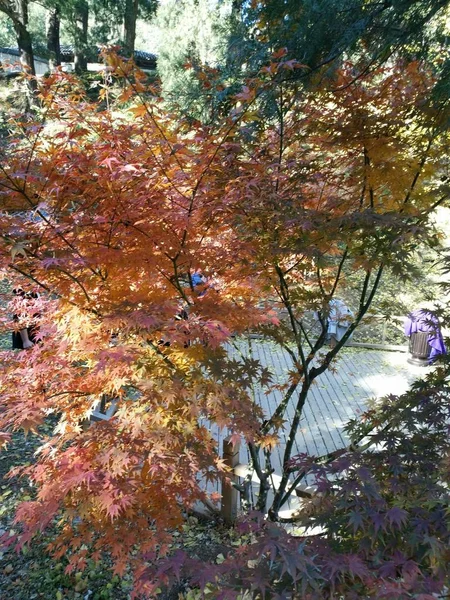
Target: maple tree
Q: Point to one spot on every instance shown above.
(377, 528)
(360, 200)
(109, 208)
(112, 248)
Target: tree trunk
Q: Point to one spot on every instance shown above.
(81, 36)
(18, 13)
(25, 47)
(53, 44)
(19, 17)
(129, 26)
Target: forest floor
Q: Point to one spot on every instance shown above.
(32, 574)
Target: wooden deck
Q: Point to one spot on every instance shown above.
(338, 395)
(358, 376)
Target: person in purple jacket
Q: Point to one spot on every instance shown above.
(423, 320)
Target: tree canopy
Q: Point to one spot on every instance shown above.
(313, 173)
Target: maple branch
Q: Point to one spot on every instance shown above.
(303, 330)
(52, 292)
(295, 265)
(176, 281)
(263, 476)
(309, 377)
(328, 458)
(163, 169)
(419, 171)
(363, 192)
(67, 393)
(291, 354)
(316, 371)
(371, 193)
(361, 74)
(280, 492)
(100, 133)
(280, 409)
(75, 280)
(17, 269)
(364, 288)
(227, 132)
(292, 488)
(69, 275)
(322, 336)
(281, 134)
(150, 114)
(211, 161)
(72, 277)
(262, 499)
(284, 293)
(165, 358)
(319, 281)
(339, 271)
(162, 134)
(373, 431)
(32, 149)
(44, 218)
(436, 204)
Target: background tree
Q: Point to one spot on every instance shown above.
(53, 37)
(115, 22)
(7, 35)
(78, 21)
(370, 33)
(193, 39)
(110, 22)
(129, 25)
(17, 11)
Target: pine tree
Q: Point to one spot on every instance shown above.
(193, 38)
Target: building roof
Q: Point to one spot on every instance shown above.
(16, 52)
(12, 51)
(144, 60)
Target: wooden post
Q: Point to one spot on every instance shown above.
(383, 336)
(230, 495)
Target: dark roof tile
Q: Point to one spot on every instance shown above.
(141, 58)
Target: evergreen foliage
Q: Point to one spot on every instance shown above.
(105, 25)
(193, 39)
(323, 32)
(237, 39)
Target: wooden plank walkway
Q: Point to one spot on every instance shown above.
(338, 395)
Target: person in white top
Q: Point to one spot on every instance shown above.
(339, 320)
